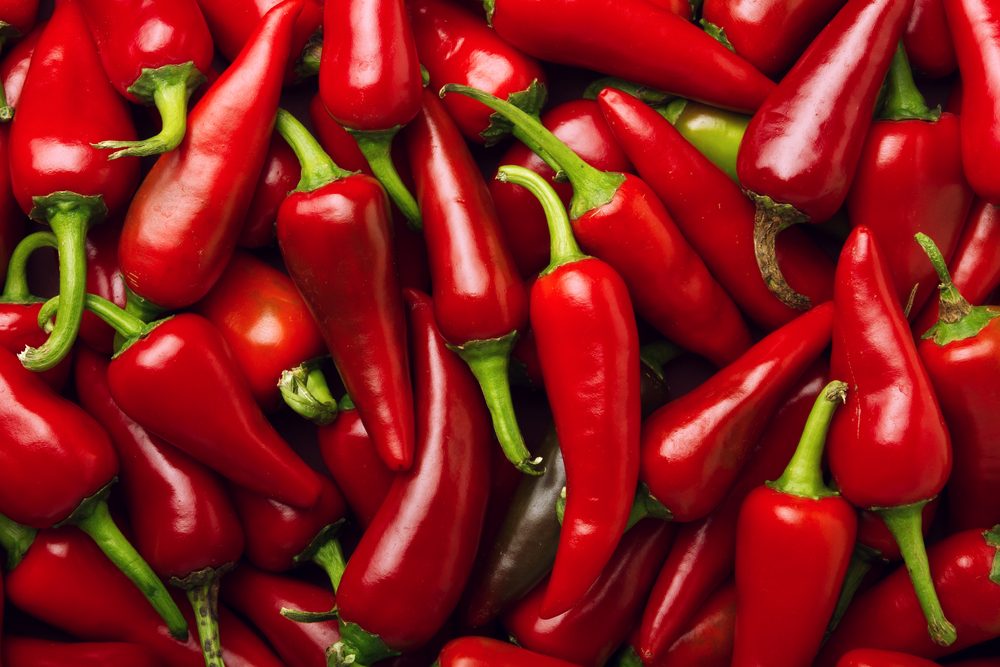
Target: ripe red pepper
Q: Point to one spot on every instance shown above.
(708, 206)
(485, 652)
(154, 52)
(928, 41)
(14, 67)
(183, 223)
(57, 176)
(370, 82)
(433, 513)
(889, 449)
(617, 218)
(770, 35)
(708, 640)
(17, 17)
(480, 302)
(634, 40)
(12, 223)
(335, 140)
(793, 546)
(336, 241)
(456, 46)
(280, 175)
(870, 657)
(910, 180)
(962, 355)
(25, 652)
(975, 26)
(105, 279)
(694, 448)
(889, 616)
(826, 101)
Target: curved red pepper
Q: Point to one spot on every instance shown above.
(928, 41)
(279, 176)
(826, 102)
(105, 279)
(335, 140)
(433, 513)
(708, 207)
(25, 652)
(14, 69)
(708, 641)
(57, 176)
(889, 449)
(17, 17)
(634, 40)
(456, 46)
(336, 241)
(485, 652)
(182, 226)
(975, 27)
(870, 657)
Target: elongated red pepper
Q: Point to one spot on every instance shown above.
(183, 521)
(183, 223)
(618, 219)
(962, 355)
(870, 657)
(457, 46)
(889, 615)
(635, 41)
(335, 237)
(433, 513)
(25, 652)
(480, 302)
(57, 176)
(589, 632)
(280, 175)
(910, 180)
(17, 17)
(335, 140)
(14, 66)
(155, 52)
(485, 652)
(708, 641)
(826, 101)
(928, 41)
(708, 206)
(793, 545)
(889, 449)
(370, 82)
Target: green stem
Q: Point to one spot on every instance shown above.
(953, 306)
(656, 355)
(330, 557)
(644, 506)
(591, 187)
(16, 539)
(318, 168)
(861, 564)
(326, 552)
(770, 219)
(906, 525)
(16, 288)
(645, 94)
(93, 518)
(143, 308)
(377, 149)
(628, 658)
(127, 325)
(357, 647)
(306, 392)
(903, 100)
(204, 599)
(803, 476)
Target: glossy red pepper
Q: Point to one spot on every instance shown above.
(928, 41)
(457, 46)
(335, 140)
(154, 52)
(588, 633)
(17, 17)
(370, 82)
(870, 657)
(694, 448)
(975, 27)
(105, 279)
(889, 616)
(889, 449)
(183, 223)
(636, 41)
(433, 513)
(57, 176)
(25, 652)
(280, 175)
(708, 640)
(708, 206)
(14, 66)
(486, 652)
(827, 101)
(617, 218)
(770, 35)
(336, 241)
(910, 180)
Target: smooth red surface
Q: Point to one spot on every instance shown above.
(873, 533)
(19, 329)
(105, 279)
(485, 652)
(26, 652)
(19, 13)
(279, 176)
(708, 641)
(336, 141)
(233, 23)
(870, 657)
(15, 63)
(928, 41)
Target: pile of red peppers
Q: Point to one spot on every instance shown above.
(547, 333)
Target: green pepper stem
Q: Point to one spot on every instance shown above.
(204, 599)
(330, 557)
(357, 647)
(770, 219)
(305, 391)
(16, 539)
(803, 476)
(953, 305)
(326, 552)
(645, 94)
(129, 326)
(592, 187)
(903, 100)
(16, 288)
(376, 146)
(318, 168)
(628, 658)
(906, 525)
(861, 564)
(658, 354)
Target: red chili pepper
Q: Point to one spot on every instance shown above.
(57, 176)
(826, 101)
(708, 641)
(335, 237)
(433, 513)
(25, 652)
(183, 223)
(870, 657)
(370, 82)
(618, 219)
(889, 450)
(910, 180)
(889, 616)
(975, 25)
(928, 41)
(770, 35)
(589, 632)
(11, 221)
(335, 140)
(104, 279)
(456, 46)
(634, 40)
(962, 355)
(17, 17)
(260, 598)
(485, 652)
(280, 175)
(708, 206)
